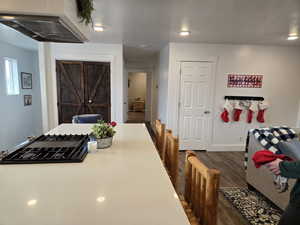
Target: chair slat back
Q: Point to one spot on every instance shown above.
(201, 189)
(160, 129)
(170, 156)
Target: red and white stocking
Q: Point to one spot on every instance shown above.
(252, 109)
(225, 116)
(261, 116)
(262, 107)
(237, 111)
(226, 109)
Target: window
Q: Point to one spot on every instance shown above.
(12, 76)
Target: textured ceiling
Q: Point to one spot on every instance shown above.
(156, 22)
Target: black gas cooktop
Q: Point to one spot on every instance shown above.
(50, 149)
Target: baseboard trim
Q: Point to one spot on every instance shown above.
(222, 148)
(226, 148)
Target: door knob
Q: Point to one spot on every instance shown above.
(206, 112)
(90, 101)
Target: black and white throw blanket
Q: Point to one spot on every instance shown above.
(269, 138)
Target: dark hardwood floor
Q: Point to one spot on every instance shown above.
(136, 117)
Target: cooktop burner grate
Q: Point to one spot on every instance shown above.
(50, 149)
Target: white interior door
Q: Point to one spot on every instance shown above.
(195, 105)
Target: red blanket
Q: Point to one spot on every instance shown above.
(265, 156)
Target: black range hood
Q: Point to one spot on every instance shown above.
(42, 28)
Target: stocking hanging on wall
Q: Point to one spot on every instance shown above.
(262, 107)
(227, 108)
(237, 111)
(251, 110)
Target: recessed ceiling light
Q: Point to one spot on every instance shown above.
(8, 17)
(32, 202)
(101, 199)
(98, 28)
(293, 36)
(185, 33)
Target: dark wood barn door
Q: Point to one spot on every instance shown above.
(70, 86)
(97, 91)
(82, 88)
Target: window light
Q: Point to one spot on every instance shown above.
(11, 76)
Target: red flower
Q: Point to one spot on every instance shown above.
(113, 123)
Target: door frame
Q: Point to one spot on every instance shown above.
(149, 74)
(213, 61)
(84, 58)
(83, 82)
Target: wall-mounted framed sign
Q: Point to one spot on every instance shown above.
(244, 81)
(26, 79)
(27, 100)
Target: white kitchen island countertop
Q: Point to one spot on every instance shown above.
(124, 185)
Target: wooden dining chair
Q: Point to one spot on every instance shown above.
(170, 156)
(200, 200)
(160, 129)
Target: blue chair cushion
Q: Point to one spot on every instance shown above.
(87, 118)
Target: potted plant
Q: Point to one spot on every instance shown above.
(103, 133)
(84, 11)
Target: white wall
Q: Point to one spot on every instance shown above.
(163, 83)
(112, 53)
(19, 121)
(11, 36)
(279, 65)
(137, 88)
